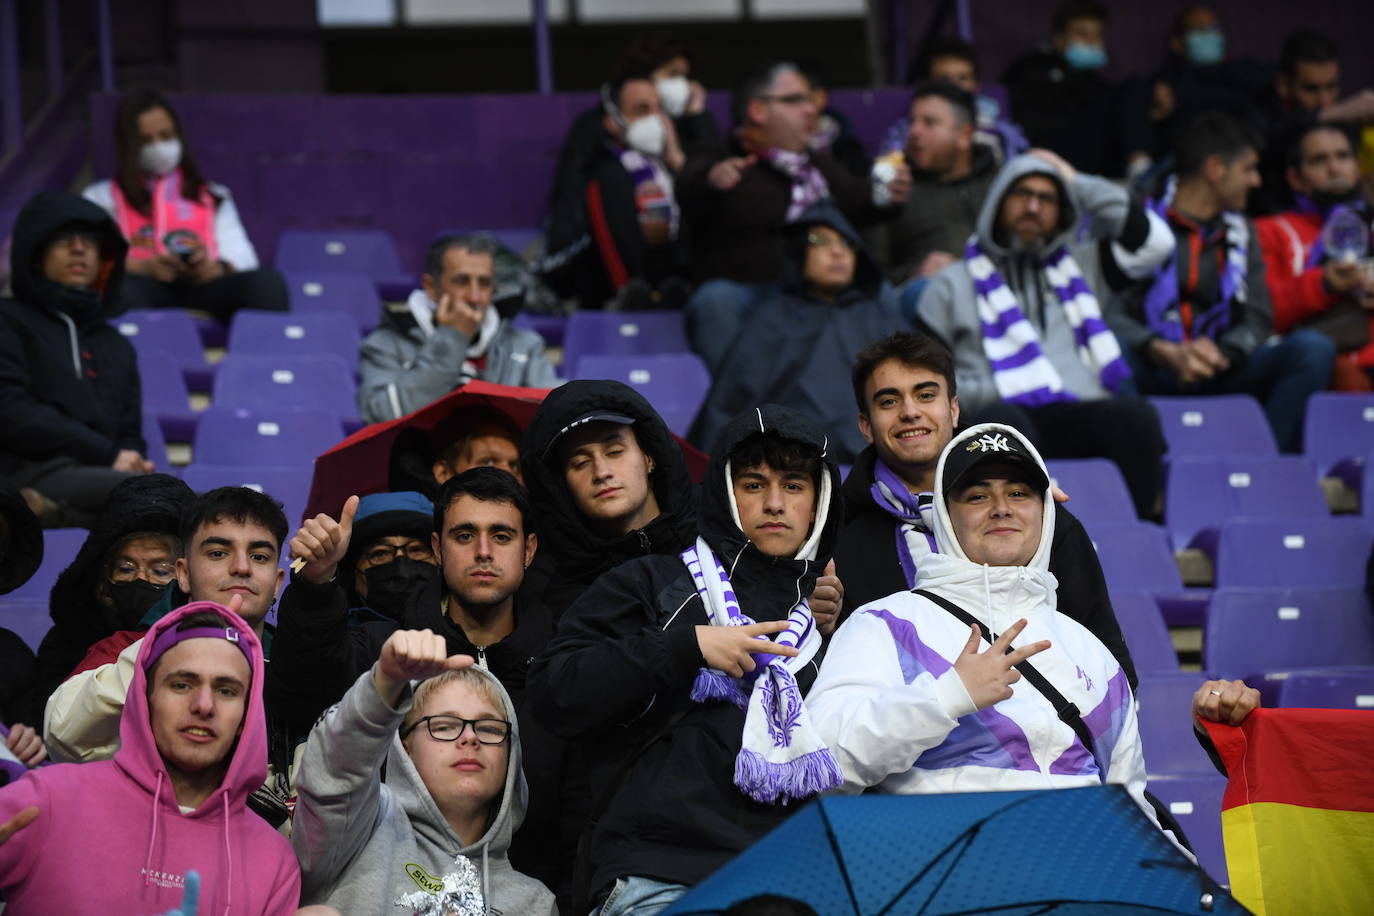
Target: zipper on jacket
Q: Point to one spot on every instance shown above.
(482, 657)
(644, 542)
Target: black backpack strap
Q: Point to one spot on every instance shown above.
(1066, 710)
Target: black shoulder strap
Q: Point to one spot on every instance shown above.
(1066, 710)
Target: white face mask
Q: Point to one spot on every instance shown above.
(674, 92)
(161, 157)
(647, 135)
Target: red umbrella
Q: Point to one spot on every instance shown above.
(361, 463)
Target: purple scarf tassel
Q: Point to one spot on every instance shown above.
(714, 685)
(802, 777)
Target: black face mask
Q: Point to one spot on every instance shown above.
(131, 600)
(391, 586)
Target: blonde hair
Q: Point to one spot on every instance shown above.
(483, 684)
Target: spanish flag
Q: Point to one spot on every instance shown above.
(1298, 814)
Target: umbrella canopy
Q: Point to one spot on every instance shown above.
(361, 463)
(1065, 851)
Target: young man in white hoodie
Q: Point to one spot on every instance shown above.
(912, 698)
(445, 335)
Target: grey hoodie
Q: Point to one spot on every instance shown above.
(363, 841)
(949, 308)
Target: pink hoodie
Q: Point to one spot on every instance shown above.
(110, 839)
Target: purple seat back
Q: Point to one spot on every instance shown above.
(1146, 636)
(1252, 630)
(332, 293)
(289, 485)
(170, 331)
(370, 252)
(674, 383)
(553, 328)
(305, 382)
(621, 334)
(1323, 688)
(1135, 556)
(60, 546)
(1277, 553)
(1230, 424)
(1338, 425)
(1205, 492)
(1195, 801)
(1166, 727)
(294, 334)
(156, 441)
(270, 437)
(165, 394)
(1097, 491)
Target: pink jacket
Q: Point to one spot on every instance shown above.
(110, 839)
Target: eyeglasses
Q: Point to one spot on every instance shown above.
(382, 554)
(451, 728)
(1043, 198)
(158, 573)
(816, 240)
(792, 98)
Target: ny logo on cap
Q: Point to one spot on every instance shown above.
(990, 442)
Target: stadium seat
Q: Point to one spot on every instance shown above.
(621, 334)
(266, 437)
(1295, 552)
(354, 294)
(294, 334)
(358, 251)
(305, 382)
(60, 546)
(1135, 556)
(1253, 630)
(1320, 688)
(28, 618)
(173, 332)
(1220, 426)
(165, 394)
(288, 485)
(1096, 489)
(1202, 493)
(553, 328)
(674, 383)
(1338, 431)
(1164, 702)
(1195, 802)
(1142, 625)
(157, 443)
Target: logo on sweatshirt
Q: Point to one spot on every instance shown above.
(163, 879)
(424, 879)
(1083, 676)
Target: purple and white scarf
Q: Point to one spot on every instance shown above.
(1162, 311)
(1020, 369)
(646, 173)
(781, 756)
(914, 514)
(808, 184)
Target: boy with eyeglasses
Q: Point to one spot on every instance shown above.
(432, 834)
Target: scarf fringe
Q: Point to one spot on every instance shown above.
(711, 684)
(801, 777)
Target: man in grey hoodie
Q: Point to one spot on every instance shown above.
(445, 335)
(1020, 313)
(435, 829)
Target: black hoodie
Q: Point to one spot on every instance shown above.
(21, 553)
(68, 380)
(149, 503)
(571, 555)
(809, 343)
(621, 667)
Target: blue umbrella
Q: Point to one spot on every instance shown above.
(1066, 851)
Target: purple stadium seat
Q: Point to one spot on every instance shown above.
(316, 291)
(284, 382)
(1273, 553)
(157, 444)
(266, 437)
(173, 332)
(1231, 424)
(674, 383)
(1338, 432)
(1135, 556)
(1321, 688)
(1146, 636)
(357, 251)
(288, 485)
(29, 618)
(1367, 486)
(1195, 801)
(621, 334)
(1254, 630)
(1164, 702)
(1097, 491)
(165, 394)
(1202, 493)
(294, 334)
(553, 328)
(60, 546)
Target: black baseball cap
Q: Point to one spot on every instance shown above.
(593, 416)
(993, 443)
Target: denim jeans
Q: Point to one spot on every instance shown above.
(635, 896)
